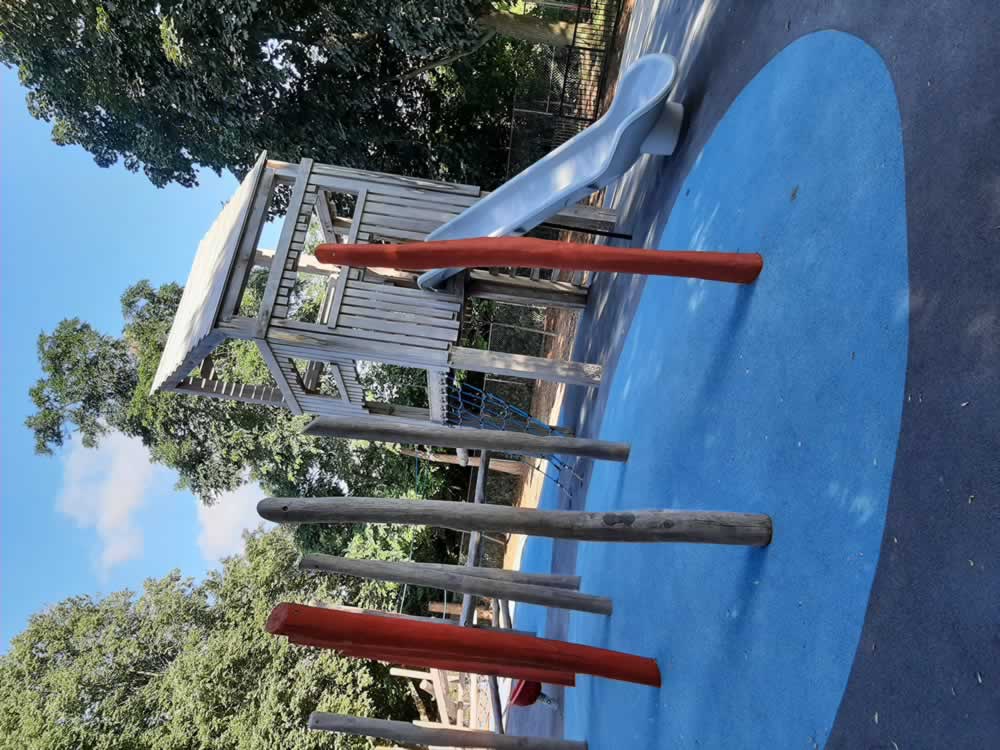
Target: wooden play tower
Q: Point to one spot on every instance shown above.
(367, 315)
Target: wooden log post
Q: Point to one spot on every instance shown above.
(705, 527)
(514, 576)
(401, 731)
(463, 583)
(391, 431)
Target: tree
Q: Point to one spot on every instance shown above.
(168, 86)
(189, 665)
(92, 383)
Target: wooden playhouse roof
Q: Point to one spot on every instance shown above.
(192, 336)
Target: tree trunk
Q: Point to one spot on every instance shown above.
(529, 28)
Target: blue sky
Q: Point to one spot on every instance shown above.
(73, 236)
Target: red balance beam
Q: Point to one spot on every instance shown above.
(529, 252)
(373, 633)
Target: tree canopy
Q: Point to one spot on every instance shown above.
(92, 383)
(167, 86)
(189, 665)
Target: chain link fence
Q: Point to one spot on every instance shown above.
(559, 92)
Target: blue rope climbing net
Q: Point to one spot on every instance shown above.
(469, 406)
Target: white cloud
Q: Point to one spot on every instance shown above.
(223, 524)
(102, 489)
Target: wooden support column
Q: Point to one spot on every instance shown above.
(521, 291)
(706, 527)
(401, 731)
(413, 433)
(472, 555)
(463, 583)
(524, 366)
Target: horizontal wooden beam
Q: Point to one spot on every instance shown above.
(306, 263)
(707, 527)
(401, 731)
(524, 366)
(505, 466)
(386, 429)
(521, 291)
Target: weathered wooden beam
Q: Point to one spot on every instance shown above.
(401, 731)
(307, 263)
(706, 527)
(410, 673)
(409, 573)
(524, 366)
(445, 705)
(454, 609)
(506, 466)
(373, 428)
(521, 291)
(472, 554)
(514, 576)
(279, 377)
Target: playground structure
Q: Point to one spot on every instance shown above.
(383, 314)
(367, 315)
(376, 311)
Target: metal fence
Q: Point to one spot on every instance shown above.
(559, 93)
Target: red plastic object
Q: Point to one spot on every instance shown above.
(529, 252)
(525, 693)
(376, 635)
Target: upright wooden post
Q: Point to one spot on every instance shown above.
(472, 556)
(401, 731)
(707, 527)
(391, 431)
(410, 573)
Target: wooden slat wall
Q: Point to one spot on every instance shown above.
(384, 313)
(353, 392)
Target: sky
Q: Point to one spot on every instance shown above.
(73, 236)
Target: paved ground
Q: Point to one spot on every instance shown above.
(929, 652)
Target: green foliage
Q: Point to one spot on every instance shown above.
(189, 665)
(377, 542)
(168, 86)
(92, 383)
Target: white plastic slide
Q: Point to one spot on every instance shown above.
(639, 120)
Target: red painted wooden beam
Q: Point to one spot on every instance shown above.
(377, 633)
(419, 658)
(529, 252)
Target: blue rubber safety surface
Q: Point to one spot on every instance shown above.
(782, 398)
